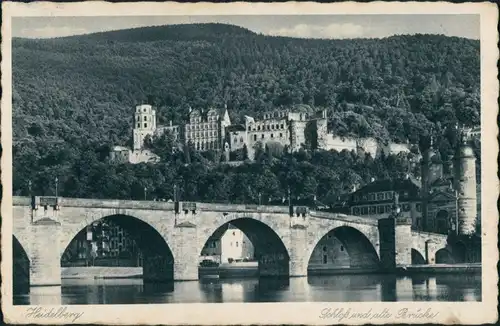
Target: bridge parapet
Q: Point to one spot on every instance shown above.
(186, 217)
(44, 208)
(100, 203)
(300, 218)
(344, 218)
(234, 208)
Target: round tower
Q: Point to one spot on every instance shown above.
(465, 186)
(427, 154)
(144, 124)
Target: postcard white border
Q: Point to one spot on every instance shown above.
(269, 313)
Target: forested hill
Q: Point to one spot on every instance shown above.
(80, 91)
(402, 82)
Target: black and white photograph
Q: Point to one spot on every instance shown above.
(231, 157)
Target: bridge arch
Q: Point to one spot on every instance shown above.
(266, 235)
(444, 256)
(110, 234)
(343, 247)
(20, 267)
(416, 257)
(454, 253)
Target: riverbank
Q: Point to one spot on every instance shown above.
(251, 269)
(441, 268)
(100, 272)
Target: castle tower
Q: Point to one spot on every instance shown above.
(225, 121)
(425, 170)
(321, 130)
(465, 186)
(144, 124)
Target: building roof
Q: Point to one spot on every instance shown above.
(442, 181)
(441, 195)
(406, 186)
(389, 185)
(238, 127)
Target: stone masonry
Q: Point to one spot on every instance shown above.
(284, 239)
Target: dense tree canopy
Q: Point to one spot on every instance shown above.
(73, 97)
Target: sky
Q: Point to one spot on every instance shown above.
(304, 26)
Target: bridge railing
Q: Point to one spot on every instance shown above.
(344, 217)
(98, 203)
(214, 207)
(427, 233)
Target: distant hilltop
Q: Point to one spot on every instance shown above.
(174, 32)
(392, 90)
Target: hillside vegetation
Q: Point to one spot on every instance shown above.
(74, 96)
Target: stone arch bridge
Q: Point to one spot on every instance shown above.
(172, 235)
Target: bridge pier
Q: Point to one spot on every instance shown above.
(395, 242)
(185, 254)
(273, 265)
(45, 260)
(430, 252)
(298, 252)
(157, 268)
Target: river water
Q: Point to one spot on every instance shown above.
(338, 288)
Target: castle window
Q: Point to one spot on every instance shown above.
(258, 127)
(268, 127)
(262, 136)
(380, 196)
(235, 140)
(272, 136)
(371, 197)
(249, 128)
(255, 137)
(144, 110)
(373, 209)
(380, 209)
(241, 139)
(325, 259)
(145, 118)
(145, 125)
(237, 243)
(324, 248)
(364, 210)
(138, 125)
(341, 248)
(281, 135)
(282, 126)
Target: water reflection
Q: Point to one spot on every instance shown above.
(338, 288)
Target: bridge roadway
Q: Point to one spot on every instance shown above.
(172, 239)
